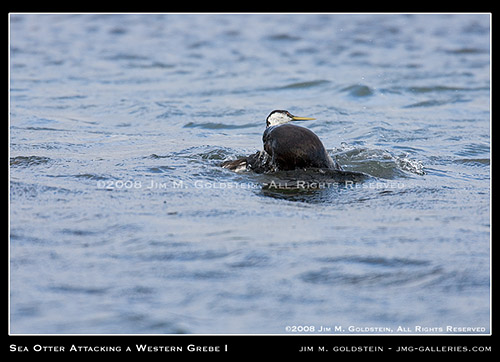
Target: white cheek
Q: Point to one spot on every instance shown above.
(276, 119)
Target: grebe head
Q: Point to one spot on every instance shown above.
(278, 117)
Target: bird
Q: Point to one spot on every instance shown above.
(286, 147)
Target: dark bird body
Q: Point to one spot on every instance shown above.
(292, 147)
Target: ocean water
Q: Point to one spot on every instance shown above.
(122, 220)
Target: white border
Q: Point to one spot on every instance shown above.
(256, 334)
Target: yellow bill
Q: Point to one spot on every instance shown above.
(302, 118)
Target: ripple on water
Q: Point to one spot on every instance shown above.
(372, 271)
(28, 161)
(218, 125)
(358, 90)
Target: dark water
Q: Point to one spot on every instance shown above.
(122, 221)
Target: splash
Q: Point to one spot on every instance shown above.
(407, 164)
(377, 162)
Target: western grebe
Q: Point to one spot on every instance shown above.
(286, 147)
